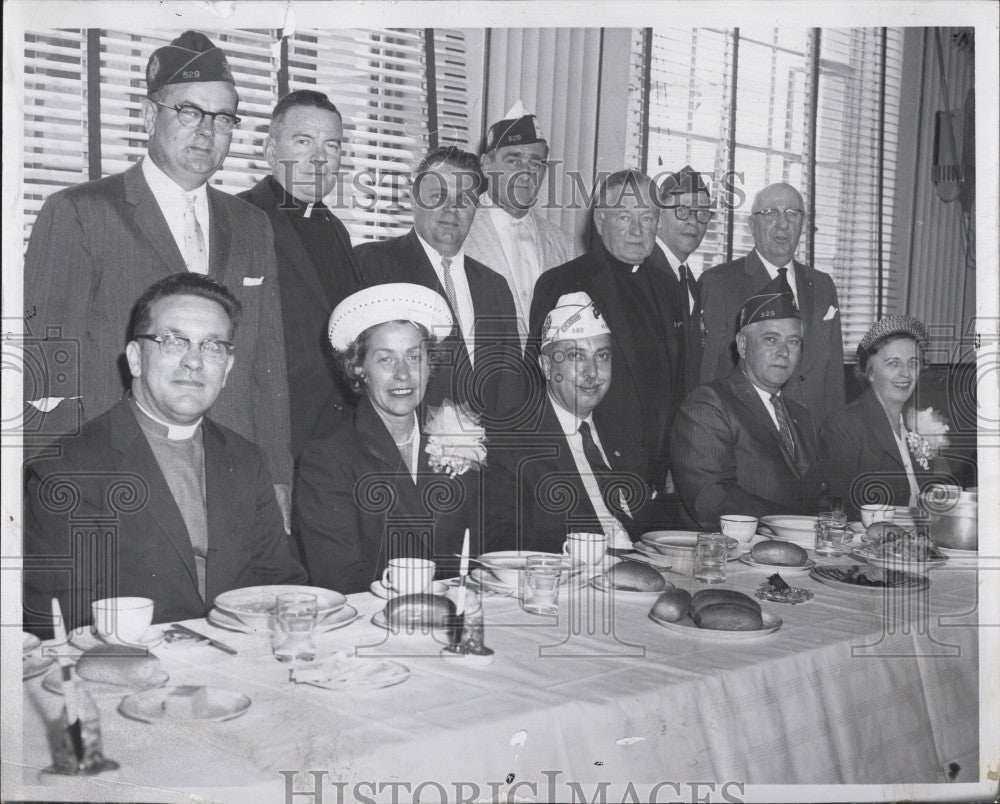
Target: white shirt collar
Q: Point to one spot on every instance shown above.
(166, 189)
(569, 422)
(501, 217)
(457, 259)
(175, 432)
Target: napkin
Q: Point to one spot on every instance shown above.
(346, 671)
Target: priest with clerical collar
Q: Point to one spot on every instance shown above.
(627, 287)
(187, 506)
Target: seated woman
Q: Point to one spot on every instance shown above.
(367, 493)
(865, 448)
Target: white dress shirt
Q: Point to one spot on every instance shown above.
(463, 296)
(172, 200)
(519, 240)
(617, 535)
(772, 271)
(675, 263)
(765, 397)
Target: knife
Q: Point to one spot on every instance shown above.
(68, 687)
(213, 642)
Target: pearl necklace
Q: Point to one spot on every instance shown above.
(409, 440)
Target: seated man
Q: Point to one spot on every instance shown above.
(558, 474)
(738, 446)
(152, 498)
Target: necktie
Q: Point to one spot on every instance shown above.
(195, 255)
(686, 293)
(602, 472)
(784, 427)
(449, 287)
(785, 287)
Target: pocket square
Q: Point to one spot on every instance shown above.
(251, 281)
(830, 313)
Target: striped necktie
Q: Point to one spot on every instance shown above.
(195, 255)
(784, 426)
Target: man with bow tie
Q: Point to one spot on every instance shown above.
(739, 446)
(316, 266)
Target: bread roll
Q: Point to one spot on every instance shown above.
(711, 597)
(672, 605)
(727, 617)
(419, 610)
(636, 577)
(779, 553)
(118, 664)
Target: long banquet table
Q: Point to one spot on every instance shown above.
(853, 688)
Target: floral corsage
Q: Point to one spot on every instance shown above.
(926, 434)
(456, 442)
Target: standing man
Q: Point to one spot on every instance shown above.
(687, 211)
(316, 267)
(508, 234)
(95, 247)
(480, 363)
(186, 507)
(738, 444)
(776, 220)
(628, 289)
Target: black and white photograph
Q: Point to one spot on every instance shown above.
(458, 402)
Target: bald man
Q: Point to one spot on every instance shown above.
(776, 219)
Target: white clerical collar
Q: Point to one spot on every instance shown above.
(175, 432)
(569, 422)
(435, 256)
(164, 187)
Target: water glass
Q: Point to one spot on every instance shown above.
(710, 558)
(295, 616)
(831, 533)
(542, 574)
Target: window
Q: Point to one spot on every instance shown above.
(376, 77)
(817, 108)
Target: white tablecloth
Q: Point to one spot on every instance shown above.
(851, 689)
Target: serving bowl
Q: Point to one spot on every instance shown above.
(678, 546)
(800, 530)
(508, 566)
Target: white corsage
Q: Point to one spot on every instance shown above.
(926, 434)
(456, 442)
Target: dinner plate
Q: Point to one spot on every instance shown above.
(335, 619)
(601, 584)
(487, 581)
(35, 664)
(746, 559)
(672, 540)
(681, 554)
(379, 589)
(252, 604)
(954, 552)
(343, 671)
(149, 706)
(53, 683)
(29, 642)
(85, 638)
(645, 554)
(686, 626)
(905, 583)
(896, 562)
(800, 530)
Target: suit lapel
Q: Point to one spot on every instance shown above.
(746, 393)
(135, 455)
(878, 424)
(149, 219)
(218, 473)
(563, 459)
(220, 238)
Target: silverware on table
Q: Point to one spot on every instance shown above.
(213, 642)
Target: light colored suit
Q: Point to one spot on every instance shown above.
(555, 247)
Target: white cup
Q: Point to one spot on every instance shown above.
(122, 619)
(585, 548)
(408, 576)
(738, 526)
(877, 513)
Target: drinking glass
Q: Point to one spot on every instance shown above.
(831, 533)
(542, 574)
(294, 623)
(710, 558)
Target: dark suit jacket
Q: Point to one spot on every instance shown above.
(729, 458)
(356, 506)
(648, 419)
(860, 459)
(94, 249)
(498, 383)
(689, 338)
(819, 381)
(319, 398)
(534, 492)
(100, 521)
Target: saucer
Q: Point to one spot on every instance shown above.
(34, 665)
(218, 704)
(85, 638)
(53, 683)
(379, 589)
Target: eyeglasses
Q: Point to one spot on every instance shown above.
(191, 117)
(701, 214)
(212, 350)
(771, 215)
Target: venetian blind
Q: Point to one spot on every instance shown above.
(376, 77)
(701, 80)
